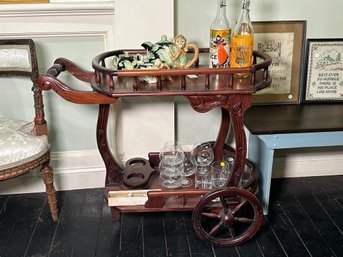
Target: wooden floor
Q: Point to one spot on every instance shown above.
(305, 219)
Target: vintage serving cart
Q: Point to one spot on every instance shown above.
(223, 217)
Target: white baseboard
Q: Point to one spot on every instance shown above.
(85, 169)
(307, 165)
(72, 170)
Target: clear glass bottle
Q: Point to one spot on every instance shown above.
(242, 39)
(220, 38)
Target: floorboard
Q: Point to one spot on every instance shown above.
(23, 227)
(304, 227)
(43, 234)
(196, 245)
(305, 219)
(154, 244)
(268, 242)
(88, 226)
(68, 224)
(175, 233)
(109, 234)
(284, 231)
(131, 235)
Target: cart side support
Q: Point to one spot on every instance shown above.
(222, 135)
(237, 109)
(114, 173)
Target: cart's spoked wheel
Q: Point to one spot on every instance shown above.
(227, 217)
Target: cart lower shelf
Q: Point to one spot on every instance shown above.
(156, 199)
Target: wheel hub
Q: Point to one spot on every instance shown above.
(228, 219)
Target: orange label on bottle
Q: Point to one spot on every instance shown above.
(241, 51)
(219, 48)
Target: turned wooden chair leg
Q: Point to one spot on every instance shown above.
(47, 176)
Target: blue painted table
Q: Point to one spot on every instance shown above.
(289, 126)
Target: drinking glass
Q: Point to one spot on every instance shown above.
(189, 165)
(203, 180)
(220, 173)
(172, 154)
(170, 174)
(202, 156)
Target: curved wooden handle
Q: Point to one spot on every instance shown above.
(48, 82)
(195, 56)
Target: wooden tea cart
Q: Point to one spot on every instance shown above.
(224, 217)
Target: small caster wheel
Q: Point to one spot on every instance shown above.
(227, 217)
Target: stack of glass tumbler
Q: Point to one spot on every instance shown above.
(176, 166)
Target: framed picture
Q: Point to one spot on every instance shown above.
(285, 42)
(324, 80)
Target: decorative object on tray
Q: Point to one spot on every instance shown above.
(220, 38)
(163, 54)
(173, 54)
(242, 41)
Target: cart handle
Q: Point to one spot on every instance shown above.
(49, 81)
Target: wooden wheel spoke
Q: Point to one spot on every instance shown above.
(224, 204)
(210, 215)
(244, 220)
(227, 217)
(216, 228)
(238, 207)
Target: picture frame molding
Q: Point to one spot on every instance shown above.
(337, 80)
(294, 83)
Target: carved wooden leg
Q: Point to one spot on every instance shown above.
(47, 176)
(114, 173)
(241, 143)
(222, 135)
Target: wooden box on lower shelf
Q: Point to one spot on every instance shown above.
(148, 200)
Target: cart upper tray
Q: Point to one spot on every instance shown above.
(199, 80)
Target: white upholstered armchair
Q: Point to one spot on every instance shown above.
(24, 145)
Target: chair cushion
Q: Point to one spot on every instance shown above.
(18, 144)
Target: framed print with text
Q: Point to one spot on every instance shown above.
(324, 79)
(284, 41)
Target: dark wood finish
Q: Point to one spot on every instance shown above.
(120, 83)
(233, 220)
(114, 172)
(137, 172)
(294, 118)
(318, 201)
(49, 81)
(214, 88)
(40, 124)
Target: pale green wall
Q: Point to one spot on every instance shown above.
(193, 19)
(71, 126)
